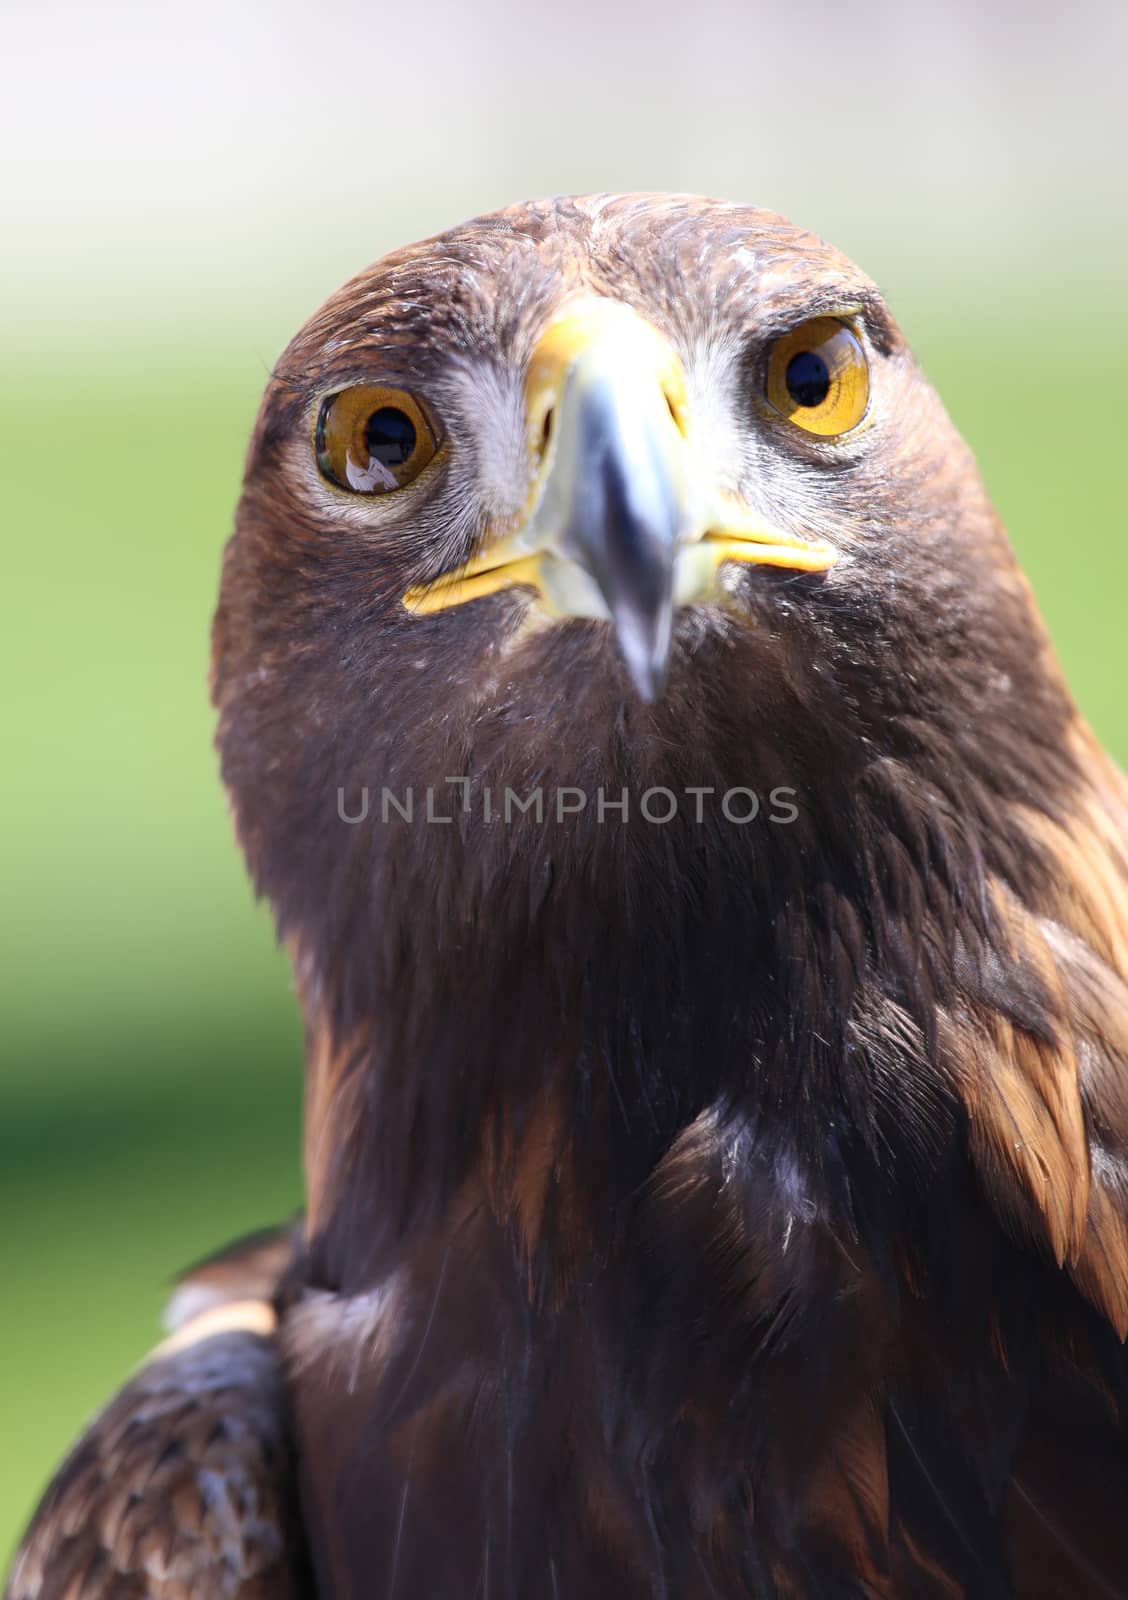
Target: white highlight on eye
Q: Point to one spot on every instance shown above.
(374, 476)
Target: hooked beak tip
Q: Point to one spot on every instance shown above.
(644, 640)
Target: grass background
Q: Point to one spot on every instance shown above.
(180, 190)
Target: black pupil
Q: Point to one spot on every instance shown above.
(807, 378)
(390, 436)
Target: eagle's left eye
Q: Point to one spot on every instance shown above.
(818, 377)
(371, 439)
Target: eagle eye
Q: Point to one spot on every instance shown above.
(818, 377)
(371, 439)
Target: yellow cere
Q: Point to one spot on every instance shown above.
(582, 326)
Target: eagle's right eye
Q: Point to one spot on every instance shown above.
(371, 439)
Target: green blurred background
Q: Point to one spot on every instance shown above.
(180, 189)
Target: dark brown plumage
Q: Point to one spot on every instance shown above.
(184, 1485)
(695, 1209)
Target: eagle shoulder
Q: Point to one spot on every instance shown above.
(182, 1488)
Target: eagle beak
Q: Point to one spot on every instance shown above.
(605, 403)
(617, 525)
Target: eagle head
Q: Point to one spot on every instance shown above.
(619, 661)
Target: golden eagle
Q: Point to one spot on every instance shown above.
(710, 918)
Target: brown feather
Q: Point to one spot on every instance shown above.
(180, 1490)
(694, 1210)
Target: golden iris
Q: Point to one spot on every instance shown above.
(372, 439)
(818, 377)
